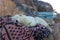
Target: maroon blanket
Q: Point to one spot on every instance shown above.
(10, 30)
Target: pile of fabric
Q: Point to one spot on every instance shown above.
(15, 30)
(28, 20)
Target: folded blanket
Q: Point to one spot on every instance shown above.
(18, 31)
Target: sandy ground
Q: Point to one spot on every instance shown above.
(7, 7)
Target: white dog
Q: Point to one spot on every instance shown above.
(30, 21)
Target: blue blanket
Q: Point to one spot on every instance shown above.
(50, 15)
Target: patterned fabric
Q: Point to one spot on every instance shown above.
(42, 8)
(18, 31)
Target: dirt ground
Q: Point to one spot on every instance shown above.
(7, 7)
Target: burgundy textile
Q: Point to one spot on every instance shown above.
(18, 31)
